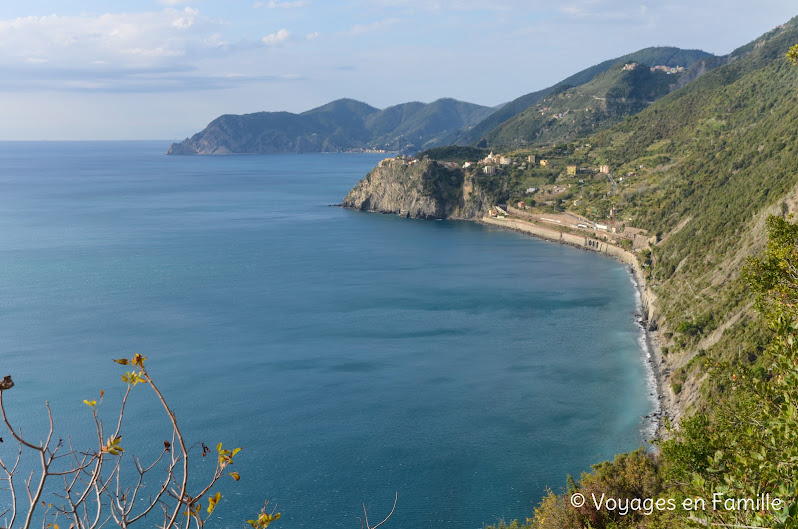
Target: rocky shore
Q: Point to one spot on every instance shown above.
(666, 400)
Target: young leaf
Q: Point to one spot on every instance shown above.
(212, 501)
(138, 360)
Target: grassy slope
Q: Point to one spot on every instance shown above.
(604, 101)
(668, 56)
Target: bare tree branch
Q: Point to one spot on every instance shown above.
(366, 515)
(93, 494)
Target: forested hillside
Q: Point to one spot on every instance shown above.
(663, 55)
(567, 114)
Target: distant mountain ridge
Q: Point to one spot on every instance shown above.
(500, 129)
(342, 125)
(349, 125)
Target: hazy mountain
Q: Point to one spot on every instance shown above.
(341, 125)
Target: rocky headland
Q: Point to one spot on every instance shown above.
(422, 189)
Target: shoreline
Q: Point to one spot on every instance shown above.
(663, 401)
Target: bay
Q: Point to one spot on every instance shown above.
(352, 356)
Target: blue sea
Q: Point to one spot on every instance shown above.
(352, 356)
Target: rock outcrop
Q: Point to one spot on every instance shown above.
(423, 189)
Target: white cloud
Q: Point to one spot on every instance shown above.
(125, 40)
(610, 10)
(313, 36)
(281, 5)
(275, 39)
(575, 11)
(359, 29)
(157, 51)
(185, 22)
(455, 5)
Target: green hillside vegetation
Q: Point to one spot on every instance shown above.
(576, 112)
(426, 125)
(662, 55)
(714, 156)
(699, 168)
(711, 169)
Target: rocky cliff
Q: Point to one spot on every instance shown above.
(423, 189)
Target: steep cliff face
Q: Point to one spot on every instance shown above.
(425, 189)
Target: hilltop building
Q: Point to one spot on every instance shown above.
(490, 159)
(667, 69)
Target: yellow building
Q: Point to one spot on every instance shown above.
(571, 169)
(544, 163)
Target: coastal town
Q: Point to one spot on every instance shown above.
(546, 191)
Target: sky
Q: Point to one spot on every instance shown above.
(163, 69)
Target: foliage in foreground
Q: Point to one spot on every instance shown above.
(90, 488)
(746, 450)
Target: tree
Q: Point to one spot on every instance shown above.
(792, 55)
(749, 448)
(88, 489)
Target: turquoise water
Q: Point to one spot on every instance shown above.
(350, 355)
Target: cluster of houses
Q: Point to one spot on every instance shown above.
(668, 69)
(660, 68)
(404, 160)
(495, 159)
(492, 162)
